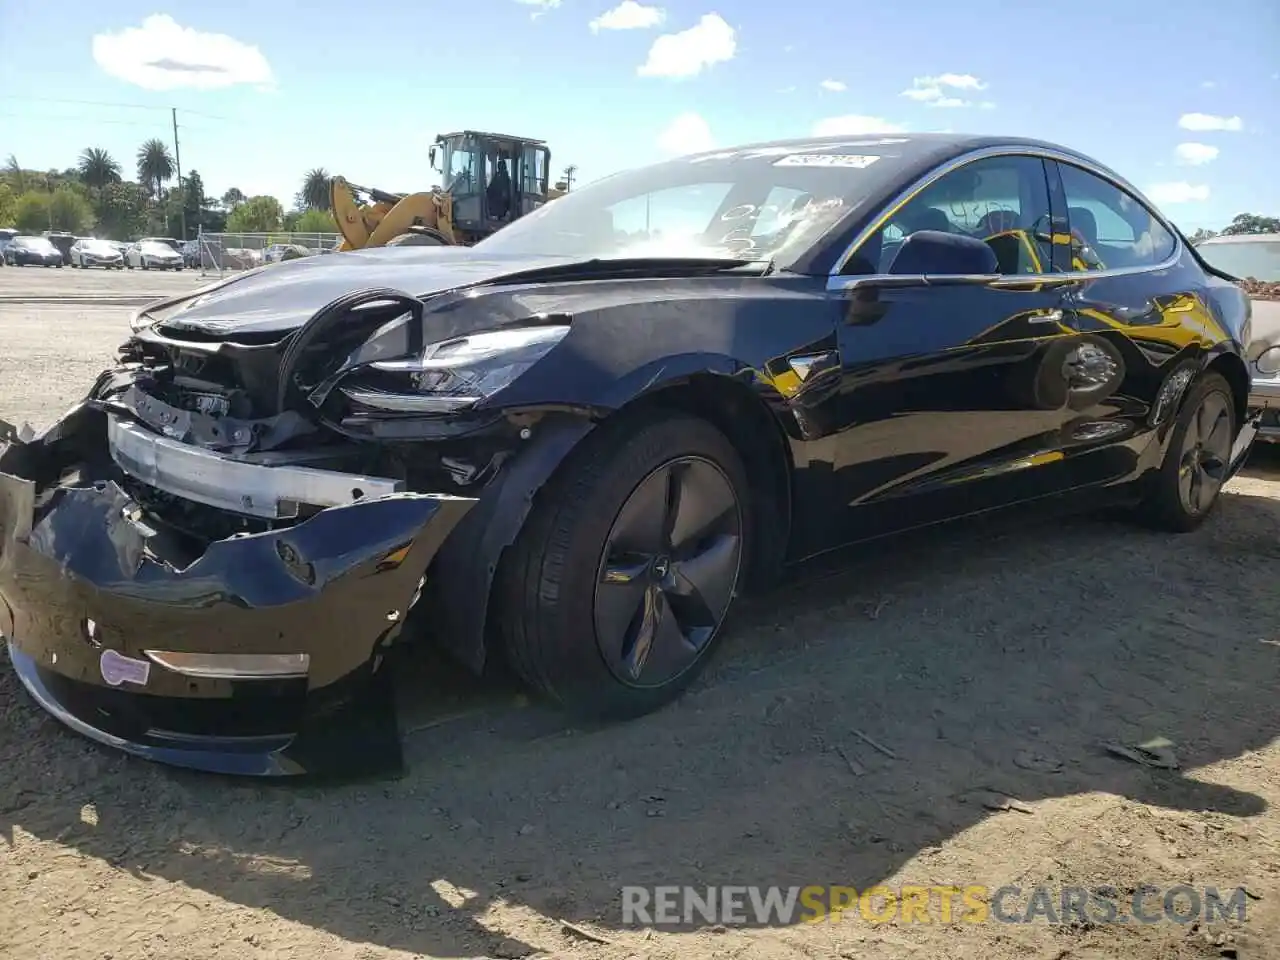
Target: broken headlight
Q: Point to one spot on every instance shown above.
(453, 374)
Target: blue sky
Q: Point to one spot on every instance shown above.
(1181, 97)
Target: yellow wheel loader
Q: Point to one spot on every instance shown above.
(489, 180)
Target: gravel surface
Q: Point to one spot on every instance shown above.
(851, 731)
(19, 284)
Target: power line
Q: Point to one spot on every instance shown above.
(63, 119)
(108, 103)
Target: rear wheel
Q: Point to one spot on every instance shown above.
(1187, 485)
(614, 594)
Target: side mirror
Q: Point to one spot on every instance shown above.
(934, 253)
(431, 158)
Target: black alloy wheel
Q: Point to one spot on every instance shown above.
(1206, 449)
(1189, 481)
(669, 569)
(612, 597)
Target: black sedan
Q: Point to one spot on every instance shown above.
(574, 444)
(32, 252)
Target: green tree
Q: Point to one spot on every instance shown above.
(31, 212)
(17, 178)
(155, 166)
(314, 194)
(313, 221)
(8, 204)
(194, 190)
(69, 211)
(232, 198)
(98, 168)
(256, 215)
(122, 210)
(1251, 223)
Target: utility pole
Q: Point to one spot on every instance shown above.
(570, 172)
(177, 159)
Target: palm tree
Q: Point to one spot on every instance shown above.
(16, 176)
(155, 166)
(98, 168)
(315, 189)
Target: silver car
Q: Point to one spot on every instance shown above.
(1256, 257)
(153, 255)
(88, 252)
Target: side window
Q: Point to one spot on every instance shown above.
(1110, 228)
(1003, 201)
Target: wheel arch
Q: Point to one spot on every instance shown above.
(743, 417)
(1232, 369)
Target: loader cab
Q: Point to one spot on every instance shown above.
(492, 178)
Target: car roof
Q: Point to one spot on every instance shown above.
(1242, 238)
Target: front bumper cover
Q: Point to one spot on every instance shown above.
(81, 575)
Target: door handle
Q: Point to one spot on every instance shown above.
(1049, 316)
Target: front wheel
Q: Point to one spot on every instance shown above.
(614, 594)
(1187, 485)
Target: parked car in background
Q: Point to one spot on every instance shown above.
(6, 236)
(274, 253)
(175, 244)
(63, 241)
(1254, 260)
(32, 252)
(153, 255)
(573, 445)
(88, 252)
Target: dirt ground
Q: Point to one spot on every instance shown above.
(992, 656)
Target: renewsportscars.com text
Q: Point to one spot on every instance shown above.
(972, 904)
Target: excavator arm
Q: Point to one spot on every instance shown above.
(427, 216)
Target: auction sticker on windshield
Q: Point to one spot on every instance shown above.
(858, 161)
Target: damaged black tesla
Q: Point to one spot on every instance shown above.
(574, 444)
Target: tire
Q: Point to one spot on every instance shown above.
(1169, 504)
(417, 240)
(552, 600)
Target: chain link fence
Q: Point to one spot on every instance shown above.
(218, 253)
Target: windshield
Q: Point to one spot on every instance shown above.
(1247, 259)
(155, 248)
(39, 244)
(769, 203)
(96, 246)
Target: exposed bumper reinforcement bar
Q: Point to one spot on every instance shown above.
(272, 492)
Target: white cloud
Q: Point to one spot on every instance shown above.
(689, 52)
(1180, 192)
(852, 124)
(628, 15)
(687, 133)
(835, 86)
(162, 55)
(1195, 154)
(933, 90)
(541, 6)
(1207, 121)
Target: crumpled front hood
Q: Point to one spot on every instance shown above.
(283, 296)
